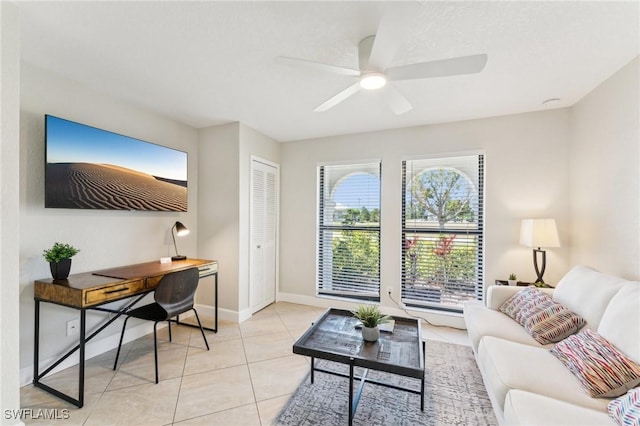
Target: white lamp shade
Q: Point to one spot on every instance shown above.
(539, 233)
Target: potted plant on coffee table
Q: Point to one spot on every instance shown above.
(371, 317)
(59, 258)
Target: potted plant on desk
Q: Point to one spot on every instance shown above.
(59, 258)
(371, 317)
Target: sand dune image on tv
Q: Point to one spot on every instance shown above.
(106, 186)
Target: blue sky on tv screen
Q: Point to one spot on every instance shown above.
(70, 142)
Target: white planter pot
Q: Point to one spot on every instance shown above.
(370, 334)
(512, 282)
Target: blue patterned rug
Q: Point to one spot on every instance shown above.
(454, 395)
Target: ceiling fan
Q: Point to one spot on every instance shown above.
(373, 53)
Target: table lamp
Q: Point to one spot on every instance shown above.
(539, 233)
(180, 230)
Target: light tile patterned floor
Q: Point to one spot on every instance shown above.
(245, 379)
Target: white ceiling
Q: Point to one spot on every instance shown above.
(206, 63)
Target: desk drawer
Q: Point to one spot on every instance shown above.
(114, 292)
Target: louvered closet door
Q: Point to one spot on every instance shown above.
(264, 215)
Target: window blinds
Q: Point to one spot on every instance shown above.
(442, 231)
(349, 230)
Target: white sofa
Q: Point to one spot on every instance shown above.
(526, 383)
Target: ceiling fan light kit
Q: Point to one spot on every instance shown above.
(373, 81)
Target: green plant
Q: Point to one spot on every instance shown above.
(513, 277)
(370, 315)
(60, 251)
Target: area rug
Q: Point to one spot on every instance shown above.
(454, 395)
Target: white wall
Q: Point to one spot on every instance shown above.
(605, 176)
(9, 218)
(106, 238)
(526, 176)
(225, 177)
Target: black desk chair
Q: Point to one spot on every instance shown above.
(174, 295)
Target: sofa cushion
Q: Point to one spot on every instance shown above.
(620, 323)
(481, 321)
(553, 324)
(507, 365)
(587, 293)
(602, 369)
(625, 410)
(530, 409)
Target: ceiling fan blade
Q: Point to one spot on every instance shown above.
(391, 33)
(335, 100)
(440, 68)
(318, 66)
(396, 101)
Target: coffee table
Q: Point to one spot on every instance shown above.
(334, 337)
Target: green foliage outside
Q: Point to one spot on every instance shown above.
(428, 262)
(360, 216)
(442, 195)
(356, 254)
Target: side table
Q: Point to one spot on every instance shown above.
(524, 284)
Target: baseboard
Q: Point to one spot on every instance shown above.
(446, 319)
(207, 311)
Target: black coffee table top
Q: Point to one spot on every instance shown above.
(334, 337)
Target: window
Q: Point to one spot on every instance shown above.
(349, 231)
(442, 231)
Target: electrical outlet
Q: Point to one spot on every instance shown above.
(73, 327)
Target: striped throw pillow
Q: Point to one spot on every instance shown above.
(553, 324)
(603, 371)
(625, 410)
(525, 303)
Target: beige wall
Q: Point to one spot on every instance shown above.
(219, 198)
(105, 238)
(526, 176)
(605, 176)
(225, 177)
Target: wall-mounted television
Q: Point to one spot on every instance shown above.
(90, 168)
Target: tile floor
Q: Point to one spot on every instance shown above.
(245, 379)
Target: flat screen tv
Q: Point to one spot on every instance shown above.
(89, 168)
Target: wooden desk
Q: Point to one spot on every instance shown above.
(89, 290)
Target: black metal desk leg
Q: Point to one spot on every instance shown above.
(216, 302)
(215, 324)
(312, 368)
(83, 326)
(351, 392)
(422, 383)
(36, 343)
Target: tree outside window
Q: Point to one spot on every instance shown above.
(442, 233)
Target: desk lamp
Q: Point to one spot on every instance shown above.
(180, 230)
(539, 233)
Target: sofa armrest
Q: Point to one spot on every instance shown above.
(498, 294)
